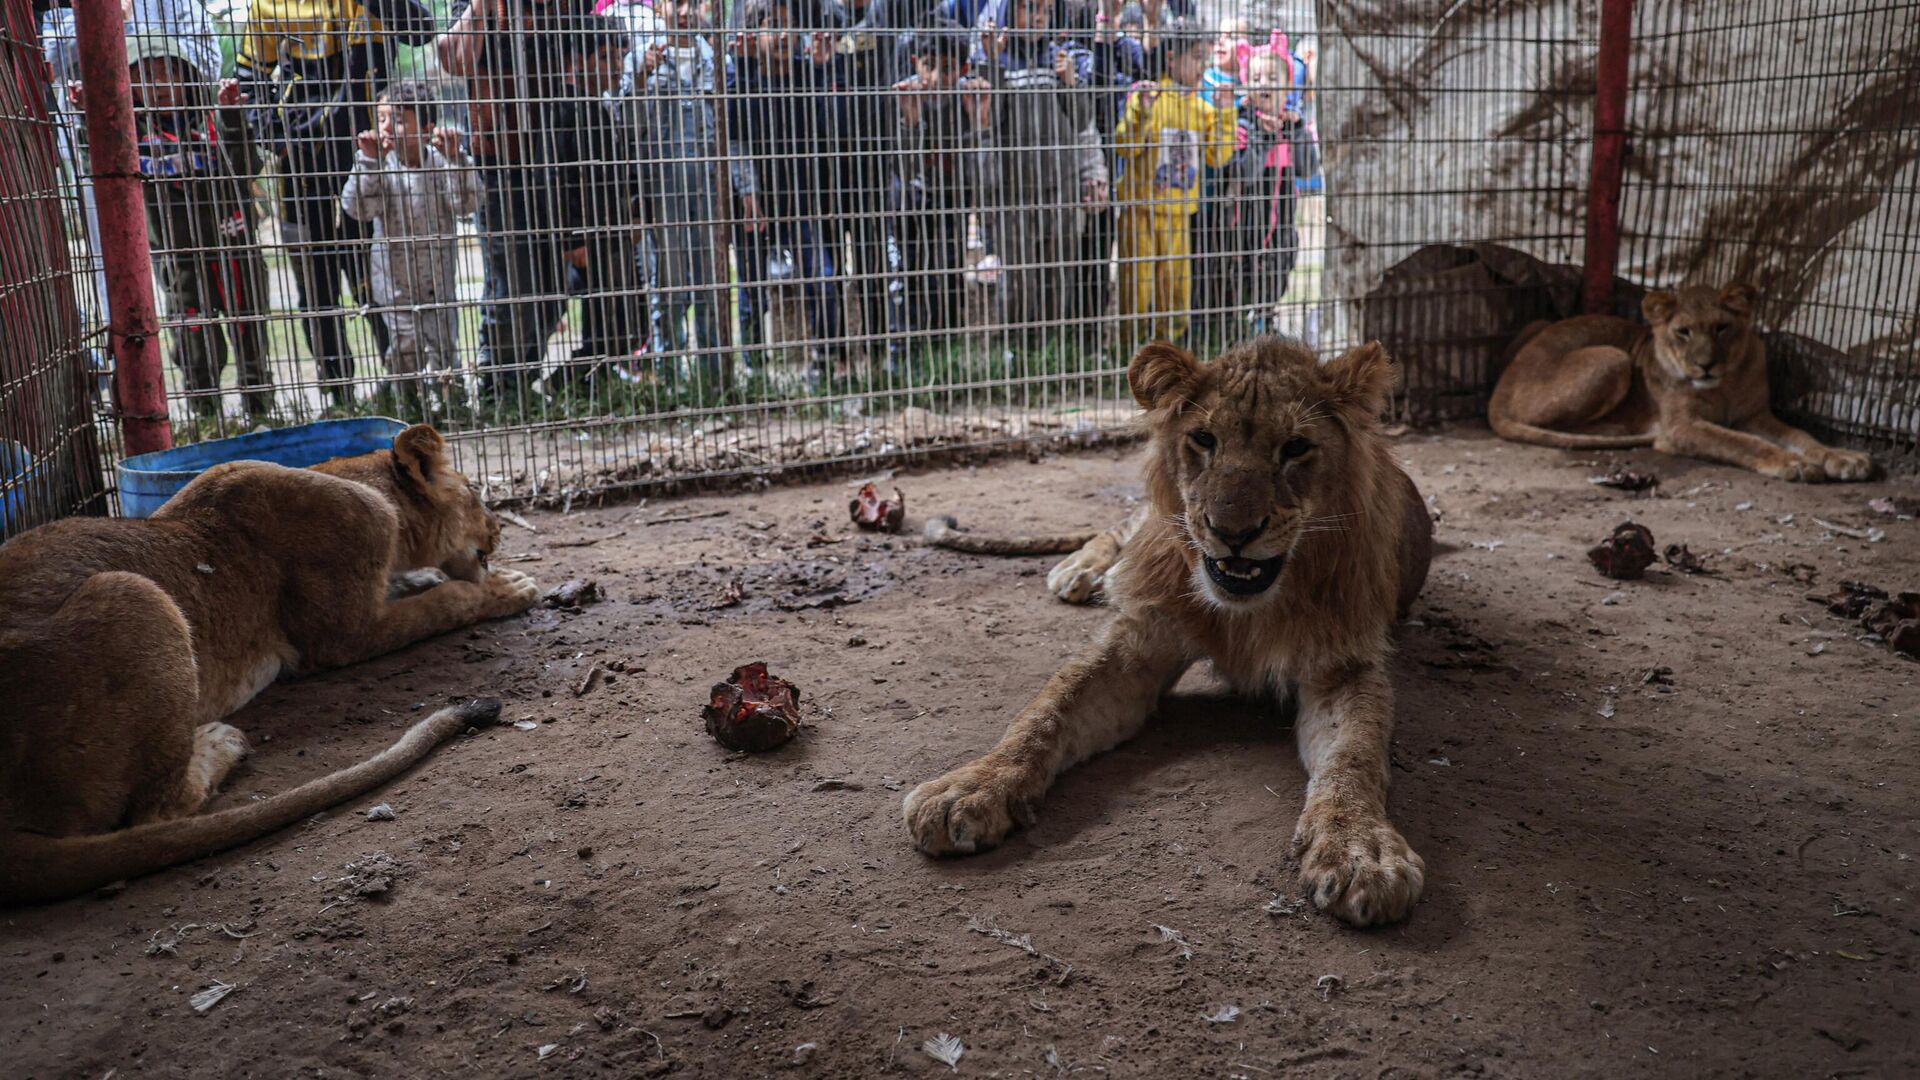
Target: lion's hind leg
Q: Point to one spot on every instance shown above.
(1583, 387)
(217, 748)
(1078, 577)
(127, 751)
(1580, 399)
(1590, 385)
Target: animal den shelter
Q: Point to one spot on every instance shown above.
(667, 276)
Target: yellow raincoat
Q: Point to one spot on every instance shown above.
(1164, 146)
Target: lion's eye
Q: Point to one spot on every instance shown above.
(1203, 439)
(1294, 447)
(1682, 333)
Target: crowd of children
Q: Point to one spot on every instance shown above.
(653, 156)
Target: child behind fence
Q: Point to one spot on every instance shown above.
(673, 116)
(942, 120)
(598, 196)
(779, 112)
(1046, 153)
(1216, 258)
(196, 163)
(412, 182)
(1263, 174)
(1167, 133)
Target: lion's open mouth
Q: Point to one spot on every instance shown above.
(1244, 577)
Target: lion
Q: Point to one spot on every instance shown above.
(1692, 382)
(1281, 543)
(124, 643)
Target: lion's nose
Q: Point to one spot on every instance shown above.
(1237, 540)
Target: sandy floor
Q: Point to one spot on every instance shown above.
(1626, 877)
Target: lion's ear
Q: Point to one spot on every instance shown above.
(1363, 375)
(419, 455)
(1658, 307)
(1162, 374)
(1738, 299)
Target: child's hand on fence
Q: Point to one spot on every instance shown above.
(656, 53)
(229, 93)
(1269, 123)
(446, 140)
(1063, 68)
(76, 97)
(1093, 192)
(756, 222)
(1223, 95)
(578, 257)
(993, 40)
(1146, 93)
(369, 144)
(979, 103)
(911, 100)
(820, 47)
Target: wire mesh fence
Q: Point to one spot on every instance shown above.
(656, 241)
(1778, 142)
(50, 462)
(1775, 142)
(1457, 141)
(624, 243)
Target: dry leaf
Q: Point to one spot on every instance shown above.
(211, 996)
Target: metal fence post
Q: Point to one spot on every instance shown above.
(139, 381)
(1609, 153)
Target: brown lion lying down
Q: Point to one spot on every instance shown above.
(1693, 381)
(124, 643)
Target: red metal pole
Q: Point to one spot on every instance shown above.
(1609, 152)
(139, 382)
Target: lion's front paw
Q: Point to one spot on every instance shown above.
(1357, 867)
(509, 592)
(1076, 578)
(1796, 470)
(970, 809)
(1846, 465)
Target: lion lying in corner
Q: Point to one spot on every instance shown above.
(124, 643)
(1282, 541)
(1693, 382)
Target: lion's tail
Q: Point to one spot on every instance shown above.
(945, 532)
(35, 868)
(1528, 433)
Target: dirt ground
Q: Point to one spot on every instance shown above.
(1704, 872)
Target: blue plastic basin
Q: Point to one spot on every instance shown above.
(147, 481)
(17, 473)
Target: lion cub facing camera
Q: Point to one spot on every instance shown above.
(1281, 544)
